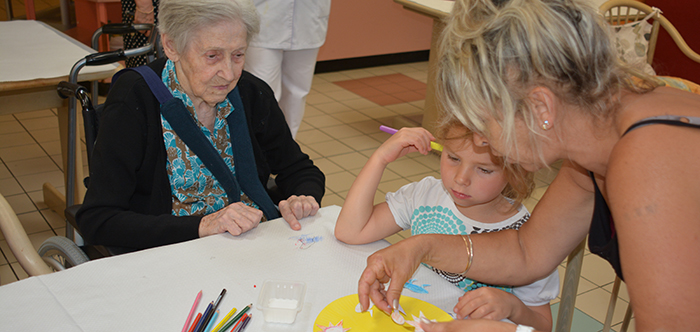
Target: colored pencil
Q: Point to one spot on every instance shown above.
(389, 130)
(234, 319)
(206, 313)
(211, 322)
(196, 320)
(239, 323)
(194, 306)
(207, 317)
(245, 323)
(223, 321)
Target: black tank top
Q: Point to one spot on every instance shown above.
(602, 238)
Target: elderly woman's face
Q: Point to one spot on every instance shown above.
(212, 63)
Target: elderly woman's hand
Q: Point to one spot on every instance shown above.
(236, 218)
(297, 207)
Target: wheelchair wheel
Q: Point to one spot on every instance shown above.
(61, 253)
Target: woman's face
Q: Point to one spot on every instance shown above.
(212, 62)
(522, 154)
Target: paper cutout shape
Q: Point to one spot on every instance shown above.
(344, 309)
(416, 322)
(397, 318)
(416, 288)
(334, 328)
(358, 308)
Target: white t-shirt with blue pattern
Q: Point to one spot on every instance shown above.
(426, 207)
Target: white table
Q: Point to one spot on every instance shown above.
(153, 290)
(34, 58)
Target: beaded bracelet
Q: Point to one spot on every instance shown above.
(470, 251)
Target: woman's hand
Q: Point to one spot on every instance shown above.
(236, 218)
(395, 263)
(467, 325)
(486, 302)
(405, 141)
(297, 207)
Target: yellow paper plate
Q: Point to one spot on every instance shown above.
(343, 309)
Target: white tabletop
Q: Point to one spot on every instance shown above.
(33, 50)
(153, 290)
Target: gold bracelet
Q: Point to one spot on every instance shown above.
(143, 12)
(470, 252)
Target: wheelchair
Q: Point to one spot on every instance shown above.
(62, 252)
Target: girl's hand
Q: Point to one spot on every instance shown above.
(297, 207)
(236, 218)
(405, 141)
(486, 302)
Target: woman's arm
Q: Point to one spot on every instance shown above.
(653, 192)
(559, 222)
(128, 203)
(360, 221)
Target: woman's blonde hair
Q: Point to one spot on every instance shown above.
(179, 19)
(520, 183)
(493, 52)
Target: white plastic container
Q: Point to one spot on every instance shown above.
(280, 301)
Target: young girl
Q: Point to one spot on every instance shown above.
(470, 198)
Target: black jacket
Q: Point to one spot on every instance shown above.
(128, 202)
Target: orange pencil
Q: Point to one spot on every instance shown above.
(196, 320)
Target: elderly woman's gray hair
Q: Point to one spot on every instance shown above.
(180, 18)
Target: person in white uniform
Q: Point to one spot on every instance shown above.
(284, 52)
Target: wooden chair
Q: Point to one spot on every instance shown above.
(619, 12)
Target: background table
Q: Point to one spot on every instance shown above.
(153, 290)
(34, 58)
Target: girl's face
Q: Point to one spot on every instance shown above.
(469, 172)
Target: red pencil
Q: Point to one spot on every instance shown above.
(239, 322)
(196, 320)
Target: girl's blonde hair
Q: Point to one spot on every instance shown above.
(493, 52)
(520, 183)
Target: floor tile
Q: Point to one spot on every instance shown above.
(581, 322)
(351, 116)
(9, 127)
(327, 166)
(595, 304)
(330, 148)
(40, 164)
(35, 182)
(33, 222)
(340, 181)
(40, 123)
(20, 203)
(312, 136)
(341, 132)
(333, 107)
(21, 152)
(362, 142)
(332, 199)
(10, 186)
(597, 270)
(323, 121)
(350, 160)
(15, 139)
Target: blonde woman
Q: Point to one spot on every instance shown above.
(538, 81)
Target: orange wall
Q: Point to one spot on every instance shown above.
(358, 28)
(668, 59)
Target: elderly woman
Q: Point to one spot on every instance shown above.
(539, 81)
(147, 186)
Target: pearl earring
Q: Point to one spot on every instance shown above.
(545, 125)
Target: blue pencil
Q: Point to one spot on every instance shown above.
(201, 323)
(211, 322)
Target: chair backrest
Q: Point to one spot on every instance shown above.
(620, 12)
